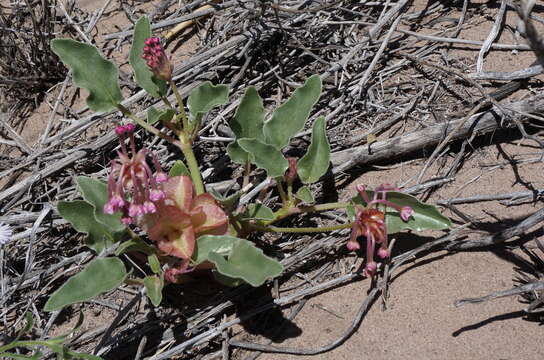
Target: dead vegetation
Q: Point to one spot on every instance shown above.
(397, 71)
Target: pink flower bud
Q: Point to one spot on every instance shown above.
(353, 245)
(370, 269)
(120, 130)
(156, 195)
(109, 208)
(406, 212)
(135, 210)
(149, 207)
(383, 253)
(161, 177)
(126, 220)
(130, 128)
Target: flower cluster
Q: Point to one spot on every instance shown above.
(133, 188)
(156, 59)
(370, 223)
(180, 219)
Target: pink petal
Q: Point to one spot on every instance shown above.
(207, 217)
(180, 244)
(180, 189)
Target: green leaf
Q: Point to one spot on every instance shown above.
(305, 195)
(154, 115)
(246, 123)
(258, 212)
(144, 77)
(290, 117)
(314, 164)
(135, 244)
(154, 263)
(266, 156)
(206, 97)
(99, 276)
(237, 258)
(153, 285)
(228, 203)
(90, 71)
(249, 118)
(179, 169)
(425, 216)
(96, 193)
(237, 154)
(81, 215)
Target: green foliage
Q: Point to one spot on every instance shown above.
(305, 195)
(135, 244)
(236, 258)
(425, 216)
(154, 285)
(266, 156)
(90, 71)
(144, 77)
(99, 276)
(228, 203)
(154, 115)
(205, 97)
(246, 123)
(258, 212)
(54, 344)
(315, 162)
(96, 193)
(179, 169)
(81, 215)
(290, 117)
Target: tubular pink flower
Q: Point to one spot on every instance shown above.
(370, 223)
(132, 186)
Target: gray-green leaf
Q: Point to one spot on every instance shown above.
(154, 115)
(290, 117)
(81, 215)
(90, 71)
(179, 169)
(315, 162)
(153, 285)
(144, 77)
(258, 212)
(206, 97)
(237, 259)
(95, 192)
(99, 276)
(266, 156)
(305, 195)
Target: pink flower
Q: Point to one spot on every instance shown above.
(370, 223)
(156, 59)
(132, 188)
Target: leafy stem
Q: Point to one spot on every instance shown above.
(283, 213)
(149, 128)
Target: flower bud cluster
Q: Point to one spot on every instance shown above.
(133, 188)
(156, 59)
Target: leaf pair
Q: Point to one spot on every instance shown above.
(87, 215)
(236, 259)
(261, 142)
(91, 71)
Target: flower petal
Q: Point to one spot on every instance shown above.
(180, 243)
(208, 217)
(180, 189)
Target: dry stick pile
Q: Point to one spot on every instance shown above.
(376, 74)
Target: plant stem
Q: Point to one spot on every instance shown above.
(192, 164)
(153, 130)
(181, 106)
(283, 213)
(283, 196)
(167, 102)
(247, 171)
(301, 229)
